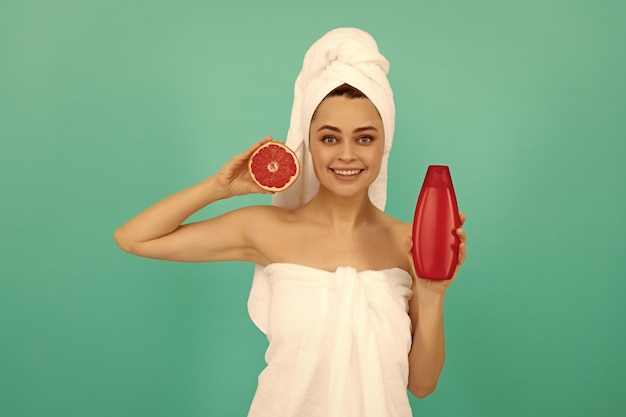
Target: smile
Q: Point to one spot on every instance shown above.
(347, 172)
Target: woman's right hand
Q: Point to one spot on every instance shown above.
(235, 178)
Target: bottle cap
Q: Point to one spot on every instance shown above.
(438, 176)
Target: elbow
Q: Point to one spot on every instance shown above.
(422, 391)
(122, 243)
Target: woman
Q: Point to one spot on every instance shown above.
(350, 325)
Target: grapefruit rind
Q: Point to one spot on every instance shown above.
(274, 167)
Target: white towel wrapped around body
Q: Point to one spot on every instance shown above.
(339, 343)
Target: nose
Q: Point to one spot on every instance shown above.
(347, 152)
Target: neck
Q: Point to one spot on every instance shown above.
(346, 213)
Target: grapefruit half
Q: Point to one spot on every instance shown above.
(274, 167)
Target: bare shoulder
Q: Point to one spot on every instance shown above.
(268, 230)
(258, 222)
(263, 214)
(397, 227)
(391, 242)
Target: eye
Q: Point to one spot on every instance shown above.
(329, 139)
(365, 139)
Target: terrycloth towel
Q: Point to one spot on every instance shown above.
(342, 56)
(339, 343)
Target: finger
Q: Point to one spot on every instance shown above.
(462, 247)
(251, 149)
(237, 165)
(408, 243)
(461, 234)
(462, 218)
(460, 261)
(462, 253)
(263, 191)
(264, 140)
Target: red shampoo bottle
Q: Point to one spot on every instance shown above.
(435, 242)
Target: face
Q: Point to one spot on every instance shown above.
(346, 142)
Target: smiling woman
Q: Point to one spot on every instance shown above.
(346, 142)
(350, 325)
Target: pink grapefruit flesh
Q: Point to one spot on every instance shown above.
(274, 167)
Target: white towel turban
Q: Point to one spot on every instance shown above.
(341, 56)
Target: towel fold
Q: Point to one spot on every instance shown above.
(341, 56)
(339, 343)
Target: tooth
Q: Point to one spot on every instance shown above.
(347, 172)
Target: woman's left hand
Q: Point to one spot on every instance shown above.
(440, 285)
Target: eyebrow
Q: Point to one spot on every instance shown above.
(357, 130)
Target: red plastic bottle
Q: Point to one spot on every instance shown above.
(435, 242)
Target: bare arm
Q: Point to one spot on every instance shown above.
(158, 232)
(427, 354)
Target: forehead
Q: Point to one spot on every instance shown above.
(341, 110)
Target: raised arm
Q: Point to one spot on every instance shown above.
(158, 232)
